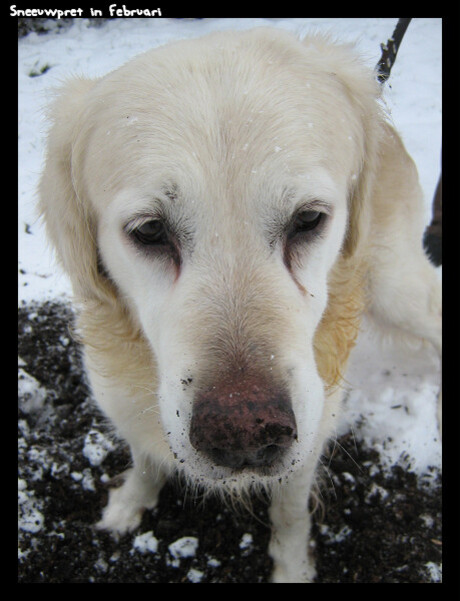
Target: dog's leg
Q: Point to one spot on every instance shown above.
(290, 519)
(406, 295)
(139, 491)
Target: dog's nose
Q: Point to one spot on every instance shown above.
(243, 425)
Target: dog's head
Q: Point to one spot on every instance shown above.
(211, 187)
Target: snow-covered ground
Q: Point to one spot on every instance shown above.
(392, 399)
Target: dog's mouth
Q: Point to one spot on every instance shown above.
(238, 469)
(264, 454)
(215, 473)
(264, 457)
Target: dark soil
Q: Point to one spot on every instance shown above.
(376, 528)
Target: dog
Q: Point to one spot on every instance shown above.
(227, 208)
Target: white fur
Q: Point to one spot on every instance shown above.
(228, 135)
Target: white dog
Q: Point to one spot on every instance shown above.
(227, 208)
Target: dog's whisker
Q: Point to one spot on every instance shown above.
(325, 470)
(356, 464)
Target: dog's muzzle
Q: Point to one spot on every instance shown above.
(243, 423)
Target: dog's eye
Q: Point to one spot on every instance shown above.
(151, 233)
(305, 221)
(155, 238)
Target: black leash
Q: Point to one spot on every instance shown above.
(390, 50)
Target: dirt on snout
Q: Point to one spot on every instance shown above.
(375, 528)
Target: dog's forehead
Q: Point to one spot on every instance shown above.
(230, 117)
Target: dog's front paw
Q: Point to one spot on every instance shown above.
(119, 516)
(126, 504)
(293, 574)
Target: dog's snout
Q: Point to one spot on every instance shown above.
(243, 425)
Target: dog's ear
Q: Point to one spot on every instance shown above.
(68, 217)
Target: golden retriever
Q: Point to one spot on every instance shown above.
(227, 208)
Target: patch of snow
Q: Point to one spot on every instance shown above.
(96, 447)
(194, 575)
(146, 543)
(31, 394)
(184, 547)
(30, 517)
(434, 571)
(332, 537)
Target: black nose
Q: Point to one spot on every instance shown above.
(245, 424)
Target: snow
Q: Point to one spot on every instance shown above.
(33, 396)
(392, 390)
(194, 575)
(331, 537)
(434, 570)
(183, 547)
(30, 517)
(146, 543)
(96, 447)
(392, 401)
(246, 541)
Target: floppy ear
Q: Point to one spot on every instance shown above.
(68, 217)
